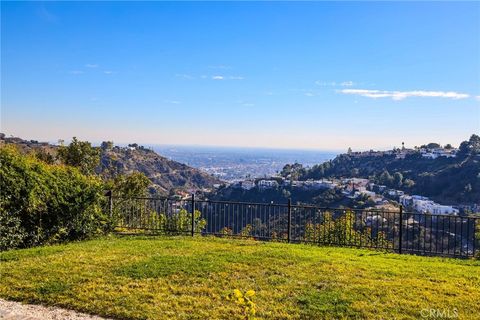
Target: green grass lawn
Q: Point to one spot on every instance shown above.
(189, 278)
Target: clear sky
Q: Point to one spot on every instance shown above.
(290, 75)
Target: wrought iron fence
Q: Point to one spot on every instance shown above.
(398, 231)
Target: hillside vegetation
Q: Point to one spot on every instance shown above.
(166, 176)
(446, 180)
(45, 203)
(322, 198)
(190, 278)
(53, 194)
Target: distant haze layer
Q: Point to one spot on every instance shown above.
(238, 163)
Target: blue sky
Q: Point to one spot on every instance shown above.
(284, 75)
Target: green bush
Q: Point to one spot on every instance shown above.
(131, 215)
(11, 231)
(343, 231)
(43, 203)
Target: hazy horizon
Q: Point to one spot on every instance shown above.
(304, 76)
(243, 148)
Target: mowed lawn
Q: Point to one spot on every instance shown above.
(189, 278)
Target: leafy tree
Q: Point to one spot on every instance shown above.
(386, 178)
(293, 170)
(470, 147)
(44, 156)
(129, 186)
(432, 145)
(408, 183)
(80, 154)
(106, 145)
(397, 179)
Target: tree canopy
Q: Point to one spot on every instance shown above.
(80, 154)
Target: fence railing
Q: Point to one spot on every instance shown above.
(398, 231)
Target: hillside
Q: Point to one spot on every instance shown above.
(165, 175)
(323, 198)
(453, 180)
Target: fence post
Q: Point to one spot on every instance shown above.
(289, 234)
(400, 231)
(475, 226)
(193, 214)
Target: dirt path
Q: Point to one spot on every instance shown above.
(17, 311)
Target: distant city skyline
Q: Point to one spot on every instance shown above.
(311, 75)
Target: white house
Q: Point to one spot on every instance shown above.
(406, 200)
(436, 208)
(438, 152)
(428, 206)
(247, 184)
(319, 184)
(395, 193)
(267, 184)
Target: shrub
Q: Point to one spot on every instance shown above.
(134, 216)
(226, 232)
(181, 222)
(342, 231)
(43, 203)
(11, 231)
(247, 231)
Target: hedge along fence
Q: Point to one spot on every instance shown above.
(42, 203)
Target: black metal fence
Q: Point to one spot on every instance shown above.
(398, 231)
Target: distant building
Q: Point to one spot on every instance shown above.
(438, 152)
(318, 184)
(428, 206)
(247, 184)
(356, 184)
(406, 200)
(425, 205)
(267, 184)
(297, 184)
(395, 193)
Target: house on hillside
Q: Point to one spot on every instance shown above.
(319, 184)
(268, 184)
(438, 152)
(424, 205)
(247, 184)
